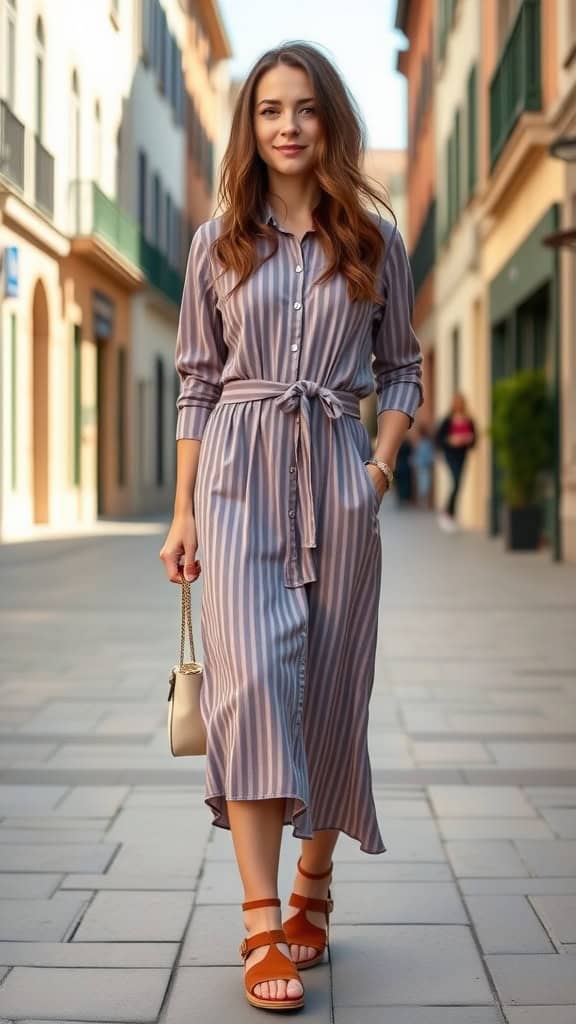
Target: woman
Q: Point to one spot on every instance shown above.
(286, 296)
(455, 436)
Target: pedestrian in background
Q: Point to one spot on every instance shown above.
(423, 455)
(455, 436)
(287, 296)
(403, 473)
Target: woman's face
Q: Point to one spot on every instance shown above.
(286, 124)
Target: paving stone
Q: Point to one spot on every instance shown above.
(562, 820)
(139, 825)
(485, 857)
(528, 980)
(382, 965)
(552, 796)
(98, 801)
(52, 822)
(398, 903)
(418, 1015)
(507, 924)
(40, 919)
(213, 936)
(196, 987)
(182, 883)
(53, 857)
(405, 840)
(540, 1014)
(387, 808)
(381, 870)
(134, 916)
(479, 801)
(31, 835)
(550, 857)
(559, 914)
(430, 751)
(88, 954)
(545, 755)
(86, 994)
(30, 887)
(526, 886)
(29, 799)
(160, 856)
(494, 828)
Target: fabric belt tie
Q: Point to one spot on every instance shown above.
(295, 398)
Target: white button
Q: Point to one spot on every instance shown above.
(297, 305)
(298, 269)
(291, 513)
(293, 348)
(292, 469)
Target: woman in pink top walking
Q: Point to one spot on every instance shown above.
(455, 436)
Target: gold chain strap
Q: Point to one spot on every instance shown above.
(186, 621)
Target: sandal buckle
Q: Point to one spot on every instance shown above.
(329, 906)
(243, 948)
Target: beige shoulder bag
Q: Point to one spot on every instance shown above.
(186, 730)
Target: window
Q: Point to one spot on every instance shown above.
(156, 209)
(74, 140)
(39, 81)
(13, 402)
(507, 12)
(121, 418)
(142, 189)
(10, 54)
(168, 226)
(77, 406)
(97, 143)
(457, 164)
(159, 421)
(472, 126)
(455, 360)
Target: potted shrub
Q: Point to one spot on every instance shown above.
(522, 433)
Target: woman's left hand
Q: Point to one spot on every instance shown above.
(379, 480)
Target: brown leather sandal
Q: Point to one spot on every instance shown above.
(299, 930)
(275, 966)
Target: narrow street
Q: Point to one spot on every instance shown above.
(120, 902)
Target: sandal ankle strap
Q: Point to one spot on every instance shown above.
(310, 903)
(268, 901)
(261, 939)
(309, 874)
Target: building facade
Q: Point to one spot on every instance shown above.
(416, 21)
(503, 279)
(95, 224)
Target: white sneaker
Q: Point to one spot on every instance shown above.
(446, 522)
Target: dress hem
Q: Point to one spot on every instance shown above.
(218, 821)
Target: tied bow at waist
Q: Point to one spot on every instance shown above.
(295, 398)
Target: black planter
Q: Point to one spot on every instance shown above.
(522, 527)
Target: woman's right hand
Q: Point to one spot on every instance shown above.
(180, 547)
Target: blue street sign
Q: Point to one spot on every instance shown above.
(11, 276)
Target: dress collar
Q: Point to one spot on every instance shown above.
(271, 218)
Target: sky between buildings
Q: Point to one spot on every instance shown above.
(359, 37)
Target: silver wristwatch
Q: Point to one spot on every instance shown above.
(384, 467)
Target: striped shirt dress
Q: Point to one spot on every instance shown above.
(287, 519)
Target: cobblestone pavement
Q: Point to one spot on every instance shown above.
(120, 902)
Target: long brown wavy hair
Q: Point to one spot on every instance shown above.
(350, 237)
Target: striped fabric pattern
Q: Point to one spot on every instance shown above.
(287, 520)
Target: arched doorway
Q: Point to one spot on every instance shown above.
(40, 419)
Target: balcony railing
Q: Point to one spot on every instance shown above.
(11, 146)
(93, 213)
(516, 84)
(159, 271)
(43, 178)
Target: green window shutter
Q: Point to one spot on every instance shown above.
(457, 164)
(121, 418)
(13, 402)
(472, 132)
(77, 406)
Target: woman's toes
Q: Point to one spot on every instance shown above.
(294, 989)
(264, 990)
(280, 989)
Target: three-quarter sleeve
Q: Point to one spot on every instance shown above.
(200, 347)
(397, 364)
